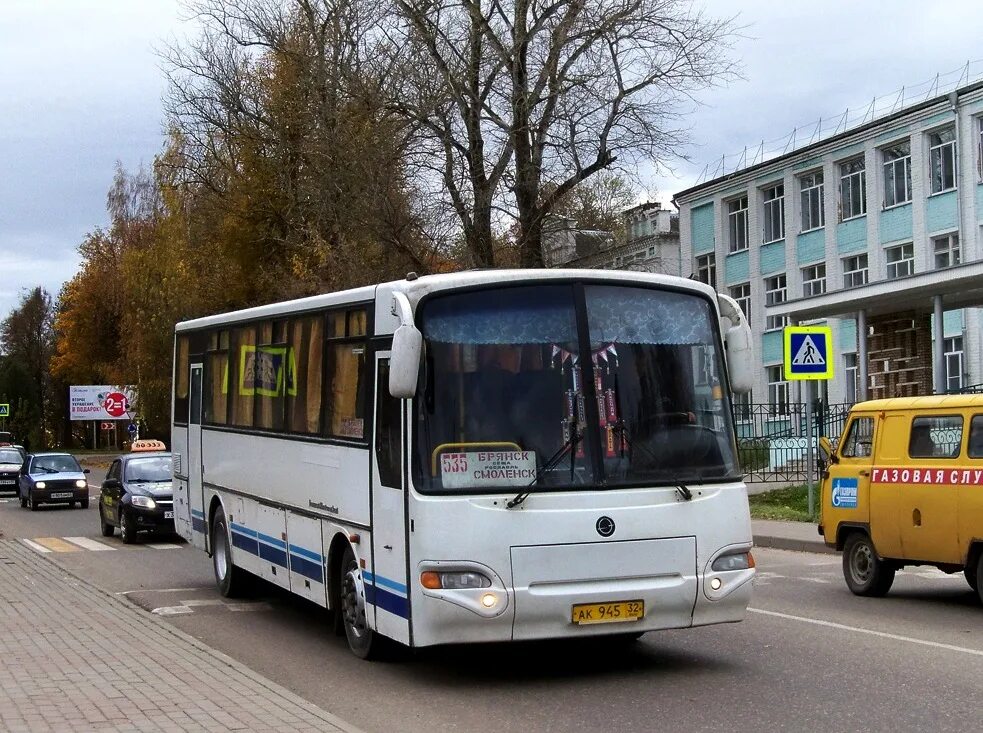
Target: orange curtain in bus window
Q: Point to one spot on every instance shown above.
(303, 381)
(348, 366)
(242, 402)
(217, 388)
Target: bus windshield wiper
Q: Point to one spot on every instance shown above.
(621, 428)
(553, 462)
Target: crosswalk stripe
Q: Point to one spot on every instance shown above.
(89, 544)
(35, 546)
(164, 545)
(57, 544)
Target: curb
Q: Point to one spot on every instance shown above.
(787, 543)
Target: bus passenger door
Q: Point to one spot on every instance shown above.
(193, 510)
(385, 585)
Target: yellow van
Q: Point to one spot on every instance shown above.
(905, 487)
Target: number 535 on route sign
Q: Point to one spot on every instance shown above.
(808, 352)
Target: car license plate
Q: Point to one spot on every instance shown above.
(608, 613)
(168, 515)
(8, 481)
(61, 495)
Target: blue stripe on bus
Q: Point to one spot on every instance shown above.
(304, 552)
(384, 582)
(276, 542)
(244, 530)
(274, 555)
(244, 542)
(198, 524)
(387, 601)
(305, 567)
(196, 513)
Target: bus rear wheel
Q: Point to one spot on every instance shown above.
(866, 574)
(230, 580)
(362, 640)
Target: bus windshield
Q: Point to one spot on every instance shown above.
(518, 392)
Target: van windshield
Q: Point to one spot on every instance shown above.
(518, 392)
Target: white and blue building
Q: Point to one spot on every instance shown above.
(876, 231)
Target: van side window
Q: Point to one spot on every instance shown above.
(859, 441)
(935, 437)
(976, 437)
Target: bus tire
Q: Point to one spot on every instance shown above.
(362, 640)
(865, 573)
(230, 580)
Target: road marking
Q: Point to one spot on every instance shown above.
(90, 544)
(870, 632)
(57, 544)
(163, 590)
(164, 545)
(172, 610)
(35, 546)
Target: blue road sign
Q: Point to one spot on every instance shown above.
(131, 428)
(808, 352)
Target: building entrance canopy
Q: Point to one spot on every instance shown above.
(933, 292)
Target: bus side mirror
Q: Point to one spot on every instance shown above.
(404, 366)
(737, 342)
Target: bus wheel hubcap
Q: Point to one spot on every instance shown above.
(353, 603)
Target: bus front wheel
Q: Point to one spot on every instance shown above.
(866, 574)
(229, 579)
(362, 640)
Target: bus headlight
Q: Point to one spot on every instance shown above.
(453, 580)
(738, 561)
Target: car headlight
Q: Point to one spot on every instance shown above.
(453, 580)
(40, 485)
(145, 501)
(81, 483)
(738, 561)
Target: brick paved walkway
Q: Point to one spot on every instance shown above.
(73, 658)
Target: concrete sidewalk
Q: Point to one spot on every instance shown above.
(800, 536)
(74, 658)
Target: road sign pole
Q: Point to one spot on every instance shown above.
(809, 457)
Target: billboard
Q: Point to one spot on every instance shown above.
(102, 402)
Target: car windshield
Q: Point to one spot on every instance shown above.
(11, 456)
(157, 468)
(55, 464)
(510, 400)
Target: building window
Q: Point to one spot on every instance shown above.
(946, 250)
(742, 294)
(776, 292)
(706, 269)
(900, 260)
(814, 280)
(851, 374)
(855, 271)
(953, 348)
(897, 174)
(942, 159)
(774, 213)
(853, 189)
(813, 199)
(777, 390)
(742, 407)
(737, 224)
(979, 151)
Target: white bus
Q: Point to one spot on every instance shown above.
(474, 457)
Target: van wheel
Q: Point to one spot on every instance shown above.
(230, 580)
(362, 640)
(866, 574)
(972, 576)
(979, 577)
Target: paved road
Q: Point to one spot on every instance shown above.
(809, 656)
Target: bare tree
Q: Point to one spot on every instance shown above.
(536, 96)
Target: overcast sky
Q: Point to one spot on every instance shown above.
(81, 86)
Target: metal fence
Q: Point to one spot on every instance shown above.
(773, 441)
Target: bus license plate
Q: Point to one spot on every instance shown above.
(608, 613)
(168, 515)
(61, 495)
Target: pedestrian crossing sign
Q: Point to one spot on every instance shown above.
(5, 409)
(808, 352)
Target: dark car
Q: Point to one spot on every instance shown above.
(136, 495)
(53, 478)
(11, 462)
